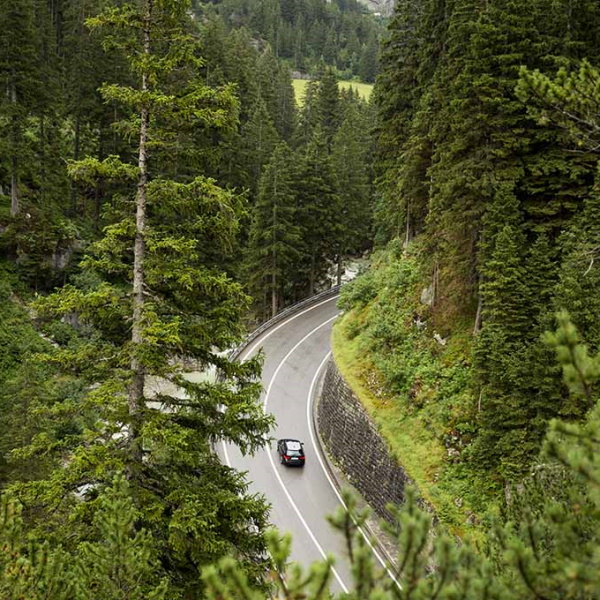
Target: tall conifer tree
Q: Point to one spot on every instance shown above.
(155, 291)
(274, 235)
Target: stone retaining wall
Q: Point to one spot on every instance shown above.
(354, 443)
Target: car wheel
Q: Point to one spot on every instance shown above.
(281, 459)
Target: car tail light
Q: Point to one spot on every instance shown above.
(286, 457)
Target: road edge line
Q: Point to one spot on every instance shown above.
(315, 398)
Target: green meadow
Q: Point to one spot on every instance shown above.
(364, 89)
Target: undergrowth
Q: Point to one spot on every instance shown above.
(416, 388)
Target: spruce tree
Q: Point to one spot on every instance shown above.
(578, 289)
(20, 77)
(267, 70)
(396, 95)
(121, 562)
(367, 67)
(287, 112)
(29, 569)
(259, 138)
(309, 116)
(351, 161)
(274, 235)
(318, 210)
(328, 103)
(152, 290)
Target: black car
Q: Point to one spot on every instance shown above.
(291, 452)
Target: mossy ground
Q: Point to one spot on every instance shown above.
(417, 390)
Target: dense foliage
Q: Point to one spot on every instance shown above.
(308, 34)
(154, 161)
(487, 182)
(151, 163)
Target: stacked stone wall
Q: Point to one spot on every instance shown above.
(354, 443)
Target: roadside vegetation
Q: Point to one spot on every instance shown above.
(415, 388)
(487, 223)
(160, 190)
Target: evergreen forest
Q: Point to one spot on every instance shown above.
(163, 192)
(309, 34)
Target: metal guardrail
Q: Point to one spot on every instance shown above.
(286, 312)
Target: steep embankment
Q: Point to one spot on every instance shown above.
(491, 222)
(415, 384)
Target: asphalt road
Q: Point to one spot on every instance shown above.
(296, 351)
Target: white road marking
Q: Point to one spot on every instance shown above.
(248, 351)
(309, 401)
(261, 339)
(251, 349)
(285, 491)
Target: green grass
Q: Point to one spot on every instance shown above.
(409, 439)
(364, 89)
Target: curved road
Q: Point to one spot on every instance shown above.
(296, 351)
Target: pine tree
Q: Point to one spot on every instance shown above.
(274, 235)
(287, 113)
(318, 210)
(151, 290)
(259, 140)
(20, 77)
(121, 563)
(351, 161)
(367, 67)
(309, 117)
(396, 97)
(328, 103)
(29, 569)
(579, 285)
(267, 70)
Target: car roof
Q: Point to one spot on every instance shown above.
(290, 442)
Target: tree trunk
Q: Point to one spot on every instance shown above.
(407, 231)
(75, 157)
(136, 388)
(274, 302)
(43, 160)
(14, 187)
(477, 326)
(274, 254)
(14, 163)
(340, 268)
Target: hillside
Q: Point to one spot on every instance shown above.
(163, 192)
(484, 220)
(307, 34)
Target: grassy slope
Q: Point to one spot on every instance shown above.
(364, 89)
(416, 390)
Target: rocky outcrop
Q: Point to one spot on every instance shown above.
(383, 7)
